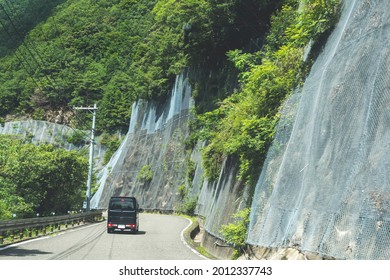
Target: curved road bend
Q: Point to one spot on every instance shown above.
(159, 238)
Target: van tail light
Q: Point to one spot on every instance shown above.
(131, 226)
(111, 225)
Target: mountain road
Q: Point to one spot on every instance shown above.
(159, 238)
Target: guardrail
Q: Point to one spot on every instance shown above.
(34, 227)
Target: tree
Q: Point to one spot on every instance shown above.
(40, 179)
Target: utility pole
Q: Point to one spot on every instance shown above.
(91, 146)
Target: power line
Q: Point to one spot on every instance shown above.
(39, 63)
(22, 59)
(18, 34)
(26, 44)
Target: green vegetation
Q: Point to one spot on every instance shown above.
(112, 142)
(81, 52)
(244, 58)
(244, 123)
(77, 138)
(235, 233)
(113, 52)
(188, 206)
(26, 15)
(39, 179)
(145, 174)
(183, 191)
(190, 172)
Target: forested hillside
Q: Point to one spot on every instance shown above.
(20, 17)
(243, 56)
(112, 52)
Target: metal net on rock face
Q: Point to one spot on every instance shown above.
(38, 132)
(325, 186)
(150, 163)
(218, 201)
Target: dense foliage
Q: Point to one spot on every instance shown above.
(39, 179)
(24, 15)
(113, 52)
(83, 53)
(244, 56)
(244, 123)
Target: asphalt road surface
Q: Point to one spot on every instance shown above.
(159, 238)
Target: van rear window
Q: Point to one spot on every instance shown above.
(122, 204)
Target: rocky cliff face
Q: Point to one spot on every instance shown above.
(39, 132)
(155, 144)
(325, 186)
(151, 162)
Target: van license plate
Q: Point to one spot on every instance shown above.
(121, 226)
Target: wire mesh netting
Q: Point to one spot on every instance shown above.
(151, 163)
(40, 132)
(325, 187)
(219, 201)
(156, 139)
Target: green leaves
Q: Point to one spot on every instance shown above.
(145, 175)
(75, 56)
(235, 233)
(40, 179)
(244, 123)
(80, 52)
(113, 52)
(316, 17)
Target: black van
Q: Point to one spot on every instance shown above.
(123, 214)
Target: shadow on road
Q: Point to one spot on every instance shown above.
(18, 252)
(140, 232)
